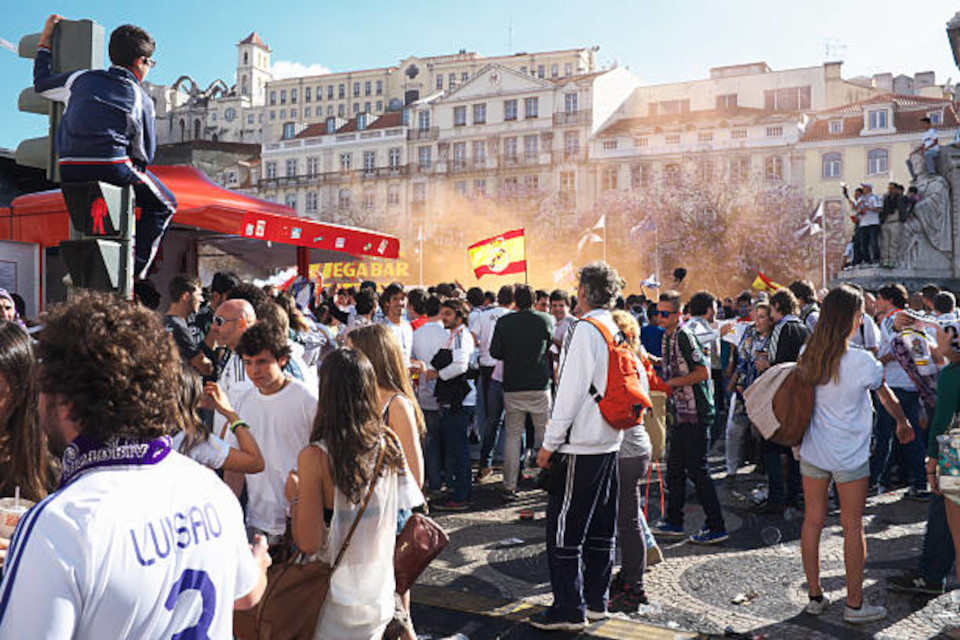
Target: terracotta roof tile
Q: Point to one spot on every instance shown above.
(386, 121)
(907, 111)
(254, 39)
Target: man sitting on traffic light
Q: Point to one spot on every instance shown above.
(107, 132)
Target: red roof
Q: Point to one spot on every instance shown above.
(907, 111)
(254, 39)
(386, 121)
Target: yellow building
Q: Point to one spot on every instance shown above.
(865, 141)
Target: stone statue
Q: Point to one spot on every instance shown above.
(927, 240)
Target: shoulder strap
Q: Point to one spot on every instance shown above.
(363, 507)
(603, 331)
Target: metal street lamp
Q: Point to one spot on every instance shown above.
(953, 34)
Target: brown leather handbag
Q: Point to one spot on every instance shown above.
(420, 541)
(296, 590)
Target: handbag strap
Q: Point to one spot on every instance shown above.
(363, 506)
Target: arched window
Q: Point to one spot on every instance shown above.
(832, 165)
(877, 161)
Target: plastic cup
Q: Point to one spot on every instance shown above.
(10, 515)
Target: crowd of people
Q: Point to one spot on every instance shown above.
(291, 397)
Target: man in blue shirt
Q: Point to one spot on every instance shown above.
(107, 132)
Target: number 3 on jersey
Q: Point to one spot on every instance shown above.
(195, 580)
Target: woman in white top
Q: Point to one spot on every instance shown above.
(401, 413)
(194, 439)
(334, 474)
(837, 444)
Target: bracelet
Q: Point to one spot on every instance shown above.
(237, 423)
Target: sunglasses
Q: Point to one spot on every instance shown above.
(663, 314)
(219, 321)
(150, 62)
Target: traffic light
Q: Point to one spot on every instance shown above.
(76, 44)
(100, 254)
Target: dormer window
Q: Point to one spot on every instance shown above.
(836, 127)
(878, 119)
(361, 122)
(331, 126)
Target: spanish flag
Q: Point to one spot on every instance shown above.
(500, 255)
(763, 283)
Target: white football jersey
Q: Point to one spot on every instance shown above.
(153, 551)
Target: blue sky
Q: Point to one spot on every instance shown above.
(660, 40)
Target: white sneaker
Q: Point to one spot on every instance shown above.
(815, 608)
(866, 613)
(594, 616)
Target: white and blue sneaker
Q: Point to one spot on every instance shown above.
(705, 536)
(664, 528)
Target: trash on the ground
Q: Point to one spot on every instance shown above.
(758, 495)
(650, 609)
(672, 625)
(745, 598)
(509, 542)
(770, 535)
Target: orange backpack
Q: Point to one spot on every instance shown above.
(623, 401)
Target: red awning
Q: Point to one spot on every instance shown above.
(42, 218)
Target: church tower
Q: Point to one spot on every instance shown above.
(253, 68)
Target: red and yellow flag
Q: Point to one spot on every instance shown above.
(763, 283)
(500, 255)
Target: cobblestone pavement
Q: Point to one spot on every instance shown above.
(496, 562)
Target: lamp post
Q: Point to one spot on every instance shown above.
(953, 34)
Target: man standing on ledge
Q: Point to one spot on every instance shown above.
(138, 541)
(582, 509)
(107, 132)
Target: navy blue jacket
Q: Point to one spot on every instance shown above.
(107, 118)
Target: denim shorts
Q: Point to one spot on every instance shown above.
(840, 477)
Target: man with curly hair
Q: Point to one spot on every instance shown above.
(134, 525)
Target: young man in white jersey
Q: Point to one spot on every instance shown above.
(280, 411)
(138, 541)
(393, 300)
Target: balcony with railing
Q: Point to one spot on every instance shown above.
(581, 116)
(570, 155)
(430, 133)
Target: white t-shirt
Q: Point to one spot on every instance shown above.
(870, 218)
(709, 338)
(427, 340)
(487, 323)
(868, 336)
(917, 342)
(211, 452)
(129, 552)
(404, 335)
(838, 438)
(281, 424)
(931, 140)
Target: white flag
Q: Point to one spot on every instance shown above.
(586, 238)
(601, 223)
(651, 282)
(564, 274)
(818, 214)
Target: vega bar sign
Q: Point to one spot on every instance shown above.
(361, 270)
